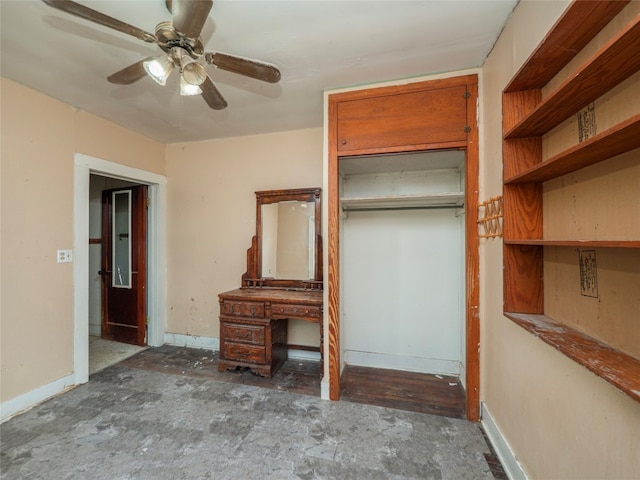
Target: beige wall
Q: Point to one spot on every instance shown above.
(100, 138)
(560, 420)
(212, 215)
(38, 141)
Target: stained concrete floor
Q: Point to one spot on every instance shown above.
(130, 423)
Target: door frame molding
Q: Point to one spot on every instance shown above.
(84, 167)
(330, 387)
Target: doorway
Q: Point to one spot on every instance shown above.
(84, 273)
(108, 343)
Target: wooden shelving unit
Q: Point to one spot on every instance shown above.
(613, 63)
(622, 138)
(578, 243)
(623, 371)
(570, 34)
(526, 118)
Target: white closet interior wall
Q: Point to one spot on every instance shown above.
(402, 261)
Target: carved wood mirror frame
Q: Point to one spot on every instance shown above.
(253, 277)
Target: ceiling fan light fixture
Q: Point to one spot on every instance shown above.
(159, 68)
(192, 72)
(188, 89)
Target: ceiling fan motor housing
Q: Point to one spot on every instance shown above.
(168, 38)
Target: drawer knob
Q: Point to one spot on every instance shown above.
(253, 309)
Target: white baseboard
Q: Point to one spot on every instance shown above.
(324, 389)
(30, 399)
(192, 341)
(401, 362)
(303, 355)
(509, 461)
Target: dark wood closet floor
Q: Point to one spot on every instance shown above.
(416, 392)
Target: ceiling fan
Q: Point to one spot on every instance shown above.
(180, 41)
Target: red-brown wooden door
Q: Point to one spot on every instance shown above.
(124, 264)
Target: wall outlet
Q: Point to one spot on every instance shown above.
(65, 256)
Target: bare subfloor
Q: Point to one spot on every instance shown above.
(140, 420)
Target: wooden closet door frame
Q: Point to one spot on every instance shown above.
(472, 257)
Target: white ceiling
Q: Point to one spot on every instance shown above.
(317, 45)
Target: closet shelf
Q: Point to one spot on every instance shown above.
(616, 61)
(431, 200)
(622, 138)
(577, 243)
(615, 367)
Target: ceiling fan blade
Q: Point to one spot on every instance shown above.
(87, 13)
(189, 16)
(212, 96)
(243, 66)
(130, 74)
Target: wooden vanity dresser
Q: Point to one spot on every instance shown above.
(253, 325)
(254, 318)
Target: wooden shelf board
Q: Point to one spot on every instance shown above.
(449, 199)
(459, 145)
(616, 61)
(622, 138)
(577, 243)
(615, 367)
(577, 26)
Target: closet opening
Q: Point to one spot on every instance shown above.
(401, 123)
(402, 278)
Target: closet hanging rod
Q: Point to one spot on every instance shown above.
(423, 207)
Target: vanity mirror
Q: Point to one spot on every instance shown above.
(286, 251)
(283, 281)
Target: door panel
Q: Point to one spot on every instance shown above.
(124, 264)
(404, 119)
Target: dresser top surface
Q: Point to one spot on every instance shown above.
(307, 297)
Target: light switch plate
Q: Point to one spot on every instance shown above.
(65, 256)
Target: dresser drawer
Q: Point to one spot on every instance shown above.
(295, 311)
(242, 309)
(244, 353)
(233, 332)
